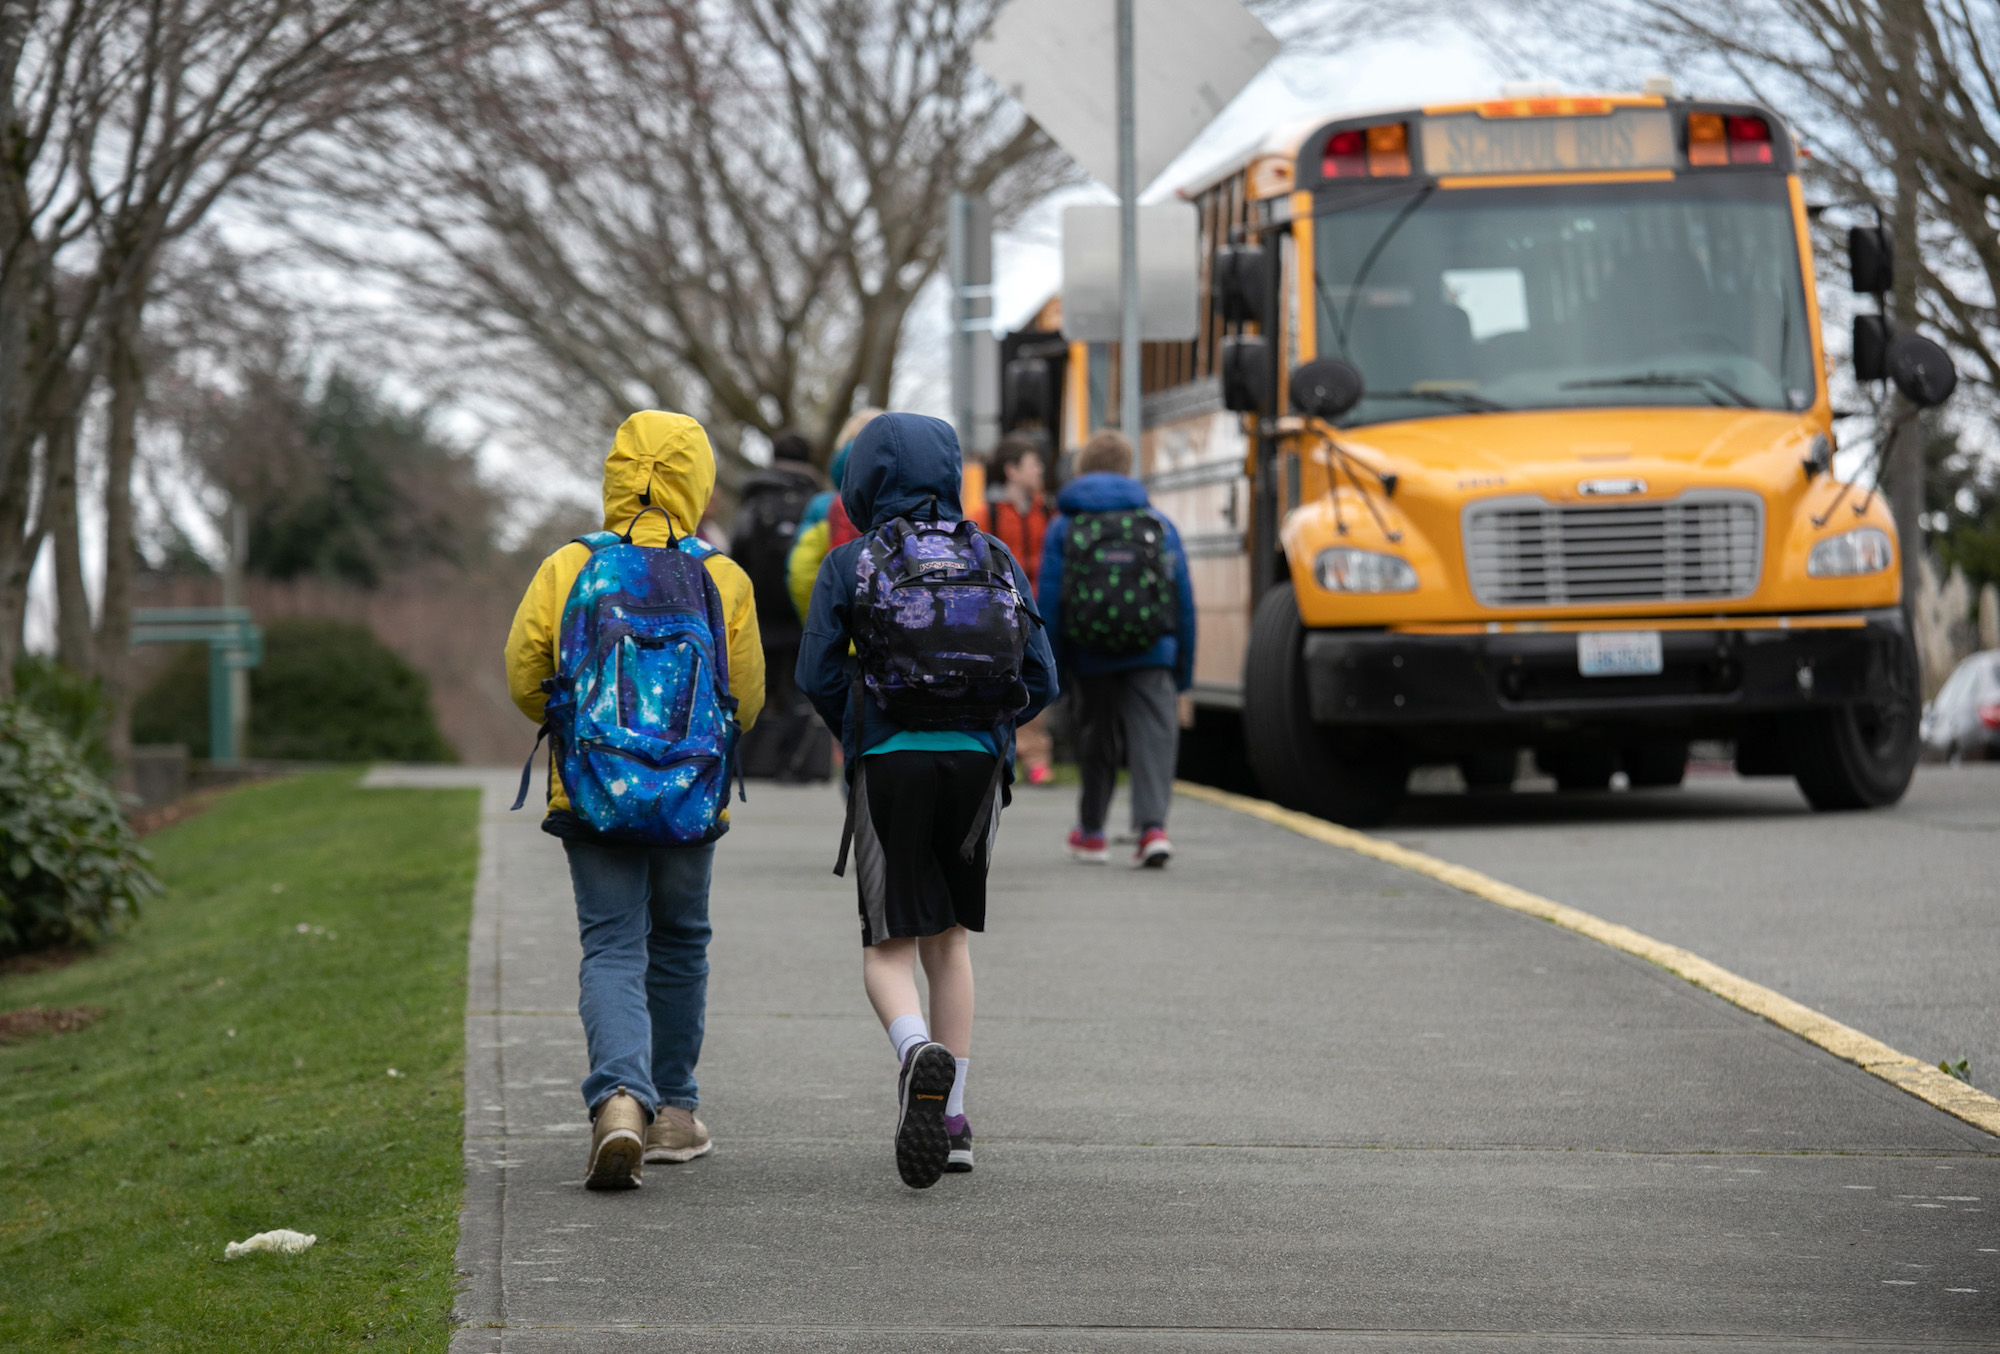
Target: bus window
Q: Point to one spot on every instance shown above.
(1678, 293)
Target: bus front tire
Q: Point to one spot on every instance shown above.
(1858, 756)
(1357, 779)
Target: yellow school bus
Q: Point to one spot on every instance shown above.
(1584, 502)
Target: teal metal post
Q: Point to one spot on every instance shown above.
(234, 642)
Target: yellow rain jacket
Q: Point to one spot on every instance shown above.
(666, 457)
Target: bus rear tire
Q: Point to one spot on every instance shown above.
(1357, 779)
(1656, 765)
(1489, 770)
(1860, 756)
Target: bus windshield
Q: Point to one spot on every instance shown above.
(1470, 300)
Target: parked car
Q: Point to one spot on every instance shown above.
(1964, 720)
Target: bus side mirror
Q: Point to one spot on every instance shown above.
(1871, 348)
(1246, 373)
(1922, 370)
(1871, 260)
(1325, 388)
(1238, 284)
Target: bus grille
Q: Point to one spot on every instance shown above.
(1702, 546)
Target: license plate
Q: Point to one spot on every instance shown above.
(1620, 653)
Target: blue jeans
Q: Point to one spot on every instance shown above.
(642, 913)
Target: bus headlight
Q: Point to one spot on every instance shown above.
(1344, 570)
(1865, 550)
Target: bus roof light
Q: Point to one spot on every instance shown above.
(1708, 141)
(1749, 141)
(1346, 156)
(1389, 149)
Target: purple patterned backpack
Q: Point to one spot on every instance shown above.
(939, 628)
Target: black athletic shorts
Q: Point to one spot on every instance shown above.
(912, 814)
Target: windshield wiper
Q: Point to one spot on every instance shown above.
(1685, 379)
(1464, 399)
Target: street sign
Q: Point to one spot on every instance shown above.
(1169, 273)
(1058, 58)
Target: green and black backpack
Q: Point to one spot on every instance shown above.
(1119, 595)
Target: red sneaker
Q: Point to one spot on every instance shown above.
(1041, 775)
(1154, 849)
(1088, 847)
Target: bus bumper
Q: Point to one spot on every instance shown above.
(1531, 677)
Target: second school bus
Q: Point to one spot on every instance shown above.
(1586, 505)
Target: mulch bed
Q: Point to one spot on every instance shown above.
(41, 961)
(166, 815)
(29, 1021)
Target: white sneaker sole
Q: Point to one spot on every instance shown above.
(676, 1155)
(1153, 858)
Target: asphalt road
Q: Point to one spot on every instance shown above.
(1277, 1097)
(1887, 920)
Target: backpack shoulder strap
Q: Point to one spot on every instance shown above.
(696, 546)
(598, 540)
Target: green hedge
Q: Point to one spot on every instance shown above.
(70, 867)
(327, 691)
(70, 703)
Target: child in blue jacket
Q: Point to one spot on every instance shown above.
(1128, 708)
(916, 798)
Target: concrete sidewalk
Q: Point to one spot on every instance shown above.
(1275, 1097)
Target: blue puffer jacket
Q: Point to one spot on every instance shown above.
(902, 465)
(1108, 493)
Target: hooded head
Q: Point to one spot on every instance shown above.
(844, 443)
(658, 460)
(899, 464)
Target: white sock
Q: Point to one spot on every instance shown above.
(906, 1032)
(955, 1102)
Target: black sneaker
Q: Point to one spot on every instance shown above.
(960, 1134)
(922, 1145)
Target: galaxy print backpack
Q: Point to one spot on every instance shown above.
(639, 711)
(940, 631)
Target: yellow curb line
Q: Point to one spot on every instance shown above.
(1920, 1079)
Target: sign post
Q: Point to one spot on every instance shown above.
(1128, 233)
(975, 378)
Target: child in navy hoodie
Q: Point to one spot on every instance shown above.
(917, 796)
(1128, 709)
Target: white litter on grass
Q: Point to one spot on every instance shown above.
(394, 1073)
(284, 1241)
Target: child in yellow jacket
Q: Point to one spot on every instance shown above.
(642, 911)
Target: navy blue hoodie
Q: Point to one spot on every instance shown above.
(1104, 492)
(902, 465)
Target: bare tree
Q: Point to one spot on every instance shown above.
(725, 208)
(124, 124)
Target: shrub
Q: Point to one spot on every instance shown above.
(327, 691)
(70, 867)
(70, 703)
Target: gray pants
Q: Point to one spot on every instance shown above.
(1129, 719)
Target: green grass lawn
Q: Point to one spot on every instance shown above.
(312, 937)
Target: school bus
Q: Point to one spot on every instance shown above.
(1583, 503)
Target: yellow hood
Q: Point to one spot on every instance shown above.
(660, 460)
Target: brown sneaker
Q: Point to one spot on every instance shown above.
(676, 1135)
(617, 1142)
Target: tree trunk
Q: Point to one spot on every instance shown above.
(18, 547)
(73, 633)
(126, 379)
